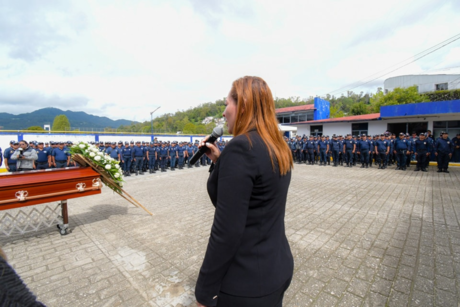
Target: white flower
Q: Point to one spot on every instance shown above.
(117, 175)
(117, 166)
(97, 158)
(92, 154)
(82, 146)
(121, 184)
(108, 166)
(100, 153)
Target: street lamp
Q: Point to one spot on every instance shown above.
(151, 118)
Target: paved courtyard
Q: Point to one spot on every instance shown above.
(359, 237)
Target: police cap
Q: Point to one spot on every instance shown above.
(444, 132)
(126, 143)
(40, 143)
(407, 134)
(13, 141)
(363, 134)
(401, 133)
(132, 142)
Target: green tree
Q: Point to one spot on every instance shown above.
(35, 128)
(336, 111)
(359, 108)
(61, 123)
(397, 96)
(189, 128)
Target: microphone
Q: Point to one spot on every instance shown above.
(216, 133)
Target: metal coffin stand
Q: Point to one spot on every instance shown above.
(23, 189)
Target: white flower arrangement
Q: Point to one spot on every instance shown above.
(109, 165)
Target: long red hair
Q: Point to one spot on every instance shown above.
(256, 110)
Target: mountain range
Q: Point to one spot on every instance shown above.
(78, 120)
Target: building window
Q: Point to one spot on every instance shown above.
(386, 91)
(441, 87)
(452, 127)
(316, 130)
(361, 128)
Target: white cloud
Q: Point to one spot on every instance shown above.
(123, 59)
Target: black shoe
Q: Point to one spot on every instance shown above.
(424, 170)
(141, 173)
(367, 166)
(137, 173)
(128, 174)
(417, 170)
(362, 166)
(439, 171)
(397, 168)
(446, 171)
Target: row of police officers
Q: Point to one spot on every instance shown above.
(384, 150)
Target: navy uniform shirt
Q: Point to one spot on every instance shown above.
(180, 151)
(381, 145)
(336, 145)
(401, 144)
(422, 146)
(322, 145)
(42, 155)
(172, 151)
(364, 146)
(190, 150)
(114, 153)
(60, 154)
(444, 146)
(151, 150)
(137, 152)
(163, 151)
(349, 144)
(310, 144)
(7, 155)
(126, 152)
(292, 145)
(371, 144)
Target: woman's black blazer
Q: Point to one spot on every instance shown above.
(248, 253)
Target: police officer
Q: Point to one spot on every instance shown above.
(120, 151)
(355, 153)
(422, 149)
(9, 163)
(138, 158)
(190, 151)
(444, 149)
(364, 146)
(323, 148)
(335, 146)
(381, 148)
(349, 147)
(163, 155)
(44, 157)
(181, 155)
(292, 146)
(151, 157)
(298, 149)
(133, 165)
(371, 149)
(401, 150)
(114, 152)
(61, 156)
(310, 148)
(157, 150)
(329, 152)
(173, 156)
(126, 154)
(409, 154)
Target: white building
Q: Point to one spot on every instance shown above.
(424, 83)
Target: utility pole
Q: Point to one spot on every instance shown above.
(151, 118)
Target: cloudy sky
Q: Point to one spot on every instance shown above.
(122, 59)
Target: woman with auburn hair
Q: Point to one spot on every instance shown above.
(248, 260)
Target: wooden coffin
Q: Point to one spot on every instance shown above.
(22, 189)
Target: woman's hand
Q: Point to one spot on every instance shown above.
(212, 152)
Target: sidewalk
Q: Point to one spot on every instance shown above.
(360, 237)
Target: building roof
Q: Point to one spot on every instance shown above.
(356, 118)
(305, 107)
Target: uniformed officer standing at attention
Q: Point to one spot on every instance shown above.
(364, 146)
(444, 149)
(323, 148)
(371, 149)
(292, 145)
(61, 156)
(44, 157)
(181, 155)
(335, 147)
(422, 149)
(355, 153)
(126, 154)
(309, 148)
(349, 147)
(381, 148)
(298, 147)
(120, 150)
(189, 153)
(157, 150)
(401, 150)
(456, 142)
(9, 163)
(151, 157)
(409, 154)
(138, 158)
(163, 155)
(114, 152)
(173, 155)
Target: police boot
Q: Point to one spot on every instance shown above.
(416, 169)
(328, 162)
(362, 165)
(367, 165)
(424, 170)
(137, 173)
(128, 174)
(446, 171)
(142, 173)
(172, 168)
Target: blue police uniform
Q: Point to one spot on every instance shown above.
(190, 151)
(364, 146)
(322, 149)
(335, 147)
(444, 148)
(181, 155)
(381, 150)
(11, 163)
(455, 142)
(126, 156)
(137, 154)
(173, 155)
(163, 155)
(114, 152)
(410, 145)
(42, 160)
(60, 157)
(151, 152)
(292, 145)
(349, 146)
(422, 151)
(298, 147)
(1, 157)
(309, 147)
(402, 146)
